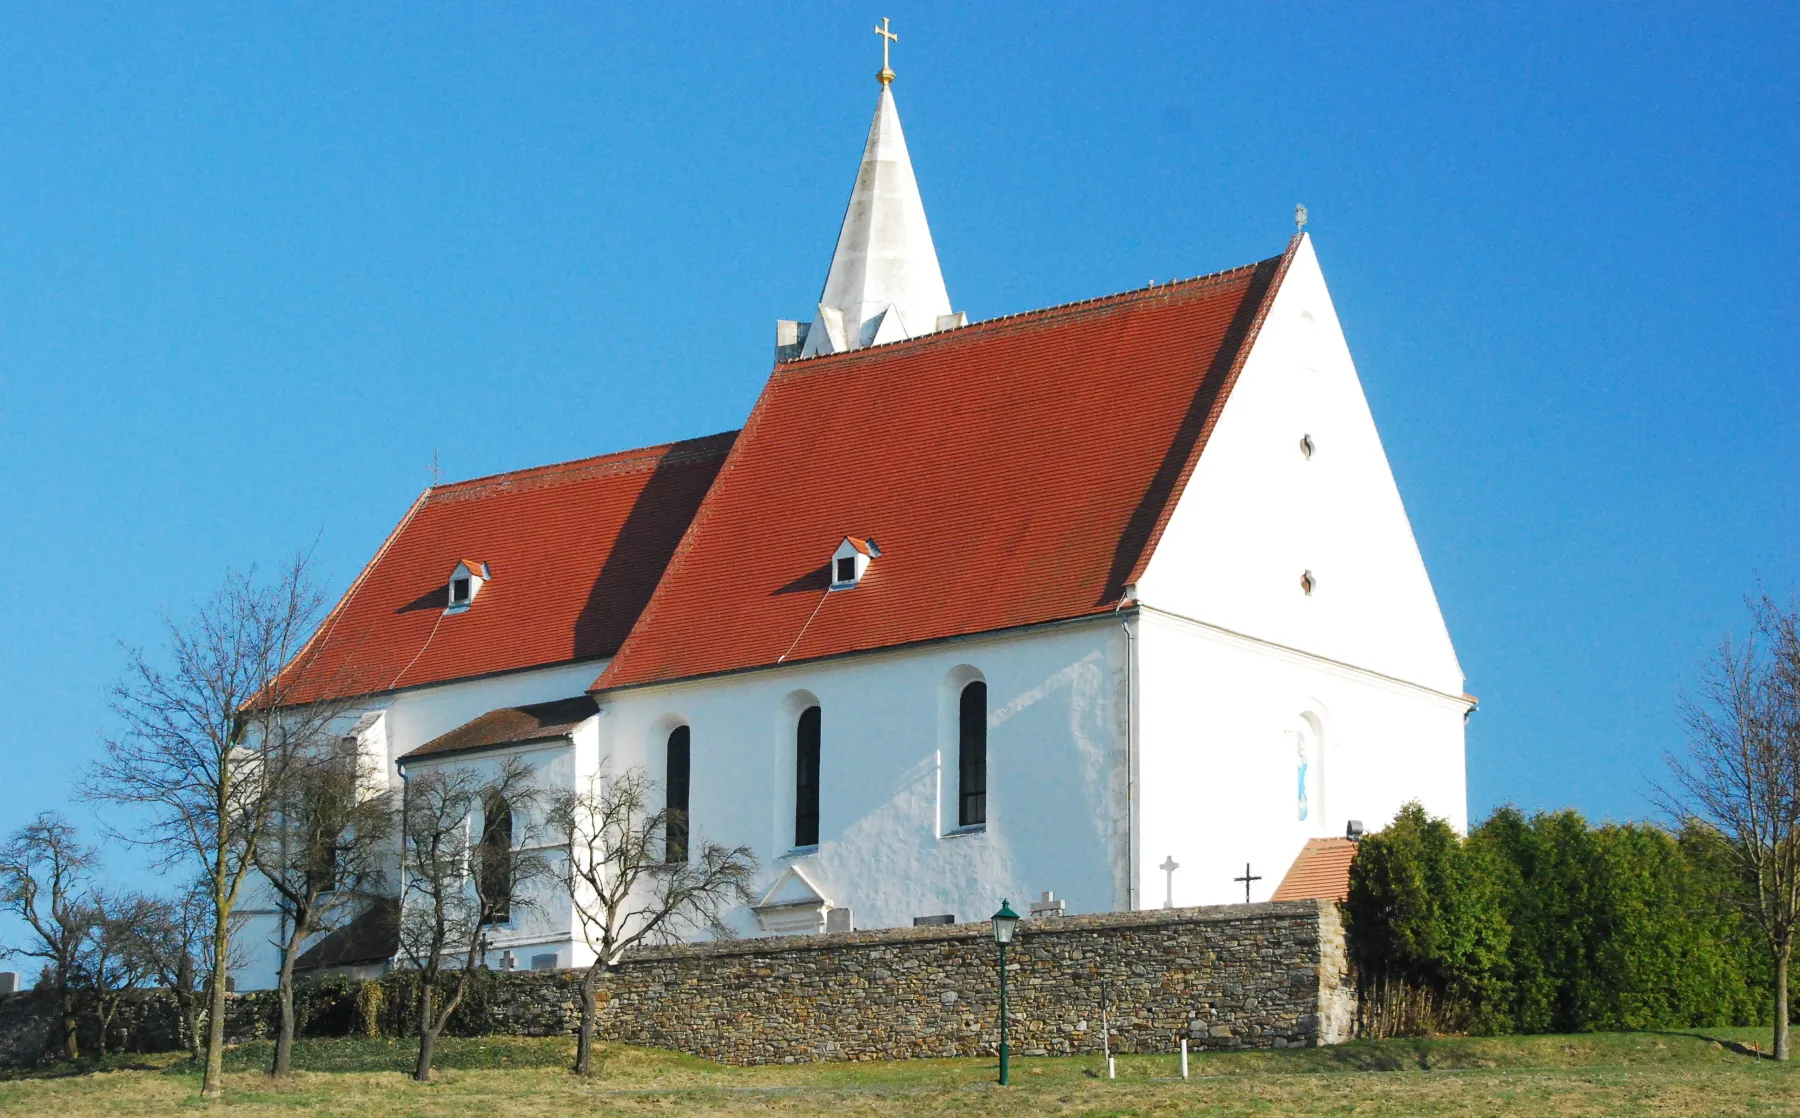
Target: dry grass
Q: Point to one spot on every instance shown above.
(1709, 1073)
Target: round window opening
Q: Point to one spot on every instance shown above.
(1306, 446)
(1307, 582)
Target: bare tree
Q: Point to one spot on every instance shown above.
(210, 732)
(45, 881)
(325, 849)
(176, 941)
(632, 878)
(1740, 779)
(116, 956)
(460, 878)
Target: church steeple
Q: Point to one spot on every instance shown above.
(884, 284)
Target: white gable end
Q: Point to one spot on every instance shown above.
(1264, 517)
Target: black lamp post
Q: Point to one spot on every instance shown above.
(1006, 921)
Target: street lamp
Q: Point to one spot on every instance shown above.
(1006, 921)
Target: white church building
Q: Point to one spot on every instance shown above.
(1116, 600)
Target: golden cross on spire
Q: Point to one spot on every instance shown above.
(888, 38)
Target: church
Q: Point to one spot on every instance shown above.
(1113, 604)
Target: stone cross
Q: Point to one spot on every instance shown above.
(1247, 879)
(1169, 866)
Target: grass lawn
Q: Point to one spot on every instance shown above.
(1699, 1072)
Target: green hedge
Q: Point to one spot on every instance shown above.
(1547, 924)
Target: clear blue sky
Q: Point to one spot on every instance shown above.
(258, 263)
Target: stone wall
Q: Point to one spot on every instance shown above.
(1238, 976)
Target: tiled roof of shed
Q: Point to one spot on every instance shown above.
(512, 726)
(574, 549)
(1321, 871)
(1016, 471)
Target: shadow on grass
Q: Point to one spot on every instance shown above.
(1751, 1049)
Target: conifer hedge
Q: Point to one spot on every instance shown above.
(1547, 924)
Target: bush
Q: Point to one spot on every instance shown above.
(1545, 924)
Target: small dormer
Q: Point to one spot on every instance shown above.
(851, 561)
(465, 583)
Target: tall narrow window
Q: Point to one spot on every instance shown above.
(493, 862)
(806, 778)
(675, 839)
(972, 756)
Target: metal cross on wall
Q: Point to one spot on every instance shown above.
(1247, 879)
(1169, 866)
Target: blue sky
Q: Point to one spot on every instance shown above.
(259, 263)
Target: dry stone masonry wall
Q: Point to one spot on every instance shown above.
(1238, 976)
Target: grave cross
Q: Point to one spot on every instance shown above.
(1247, 879)
(1169, 866)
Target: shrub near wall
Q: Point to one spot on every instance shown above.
(1546, 924)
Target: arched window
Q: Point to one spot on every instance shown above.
(493, 862)
(806, 778)
(675, 819)
(971, 766)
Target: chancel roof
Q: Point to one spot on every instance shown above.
(1016, 472)
(574, 551)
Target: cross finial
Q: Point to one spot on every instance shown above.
(1247, 879)
(437, 471)
(888, 38)
(1299, 218)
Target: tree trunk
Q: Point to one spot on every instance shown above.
(71, 1042)
(422, 1072)
(584, 1042)
(104, 1017)
(186, 1008)
(284, 1032)
(213, 1083)
(1781, 1000)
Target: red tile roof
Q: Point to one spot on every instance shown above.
(1322, 871)
(1016, 471)
(512, 726)
(575, 550)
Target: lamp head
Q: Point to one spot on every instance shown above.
(1006, 921)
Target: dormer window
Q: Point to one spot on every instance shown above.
(851, 561)
(465, 583)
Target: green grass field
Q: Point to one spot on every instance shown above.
(1704, 1072)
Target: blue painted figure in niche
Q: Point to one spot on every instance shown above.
(1300, 750)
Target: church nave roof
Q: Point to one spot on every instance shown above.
(1016, 472)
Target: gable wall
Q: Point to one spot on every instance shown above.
(1256, 513)
(1221, 722)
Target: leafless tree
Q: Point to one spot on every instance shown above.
(116, 957)
(629, 884)
(45, 881)
(210, 732)
(325, 850)
(176, 941)
(460, 877)
(1740, 779)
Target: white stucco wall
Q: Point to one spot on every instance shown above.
(1257, 512)
(1057, 771)
(544, 924)
(410, 718)
(1221, 721)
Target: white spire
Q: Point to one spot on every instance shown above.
(884, 284)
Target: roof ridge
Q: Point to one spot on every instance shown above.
(673, 453)
(1192, 285)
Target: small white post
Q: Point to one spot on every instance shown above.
(1184, 1057)
(1111, 1072)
